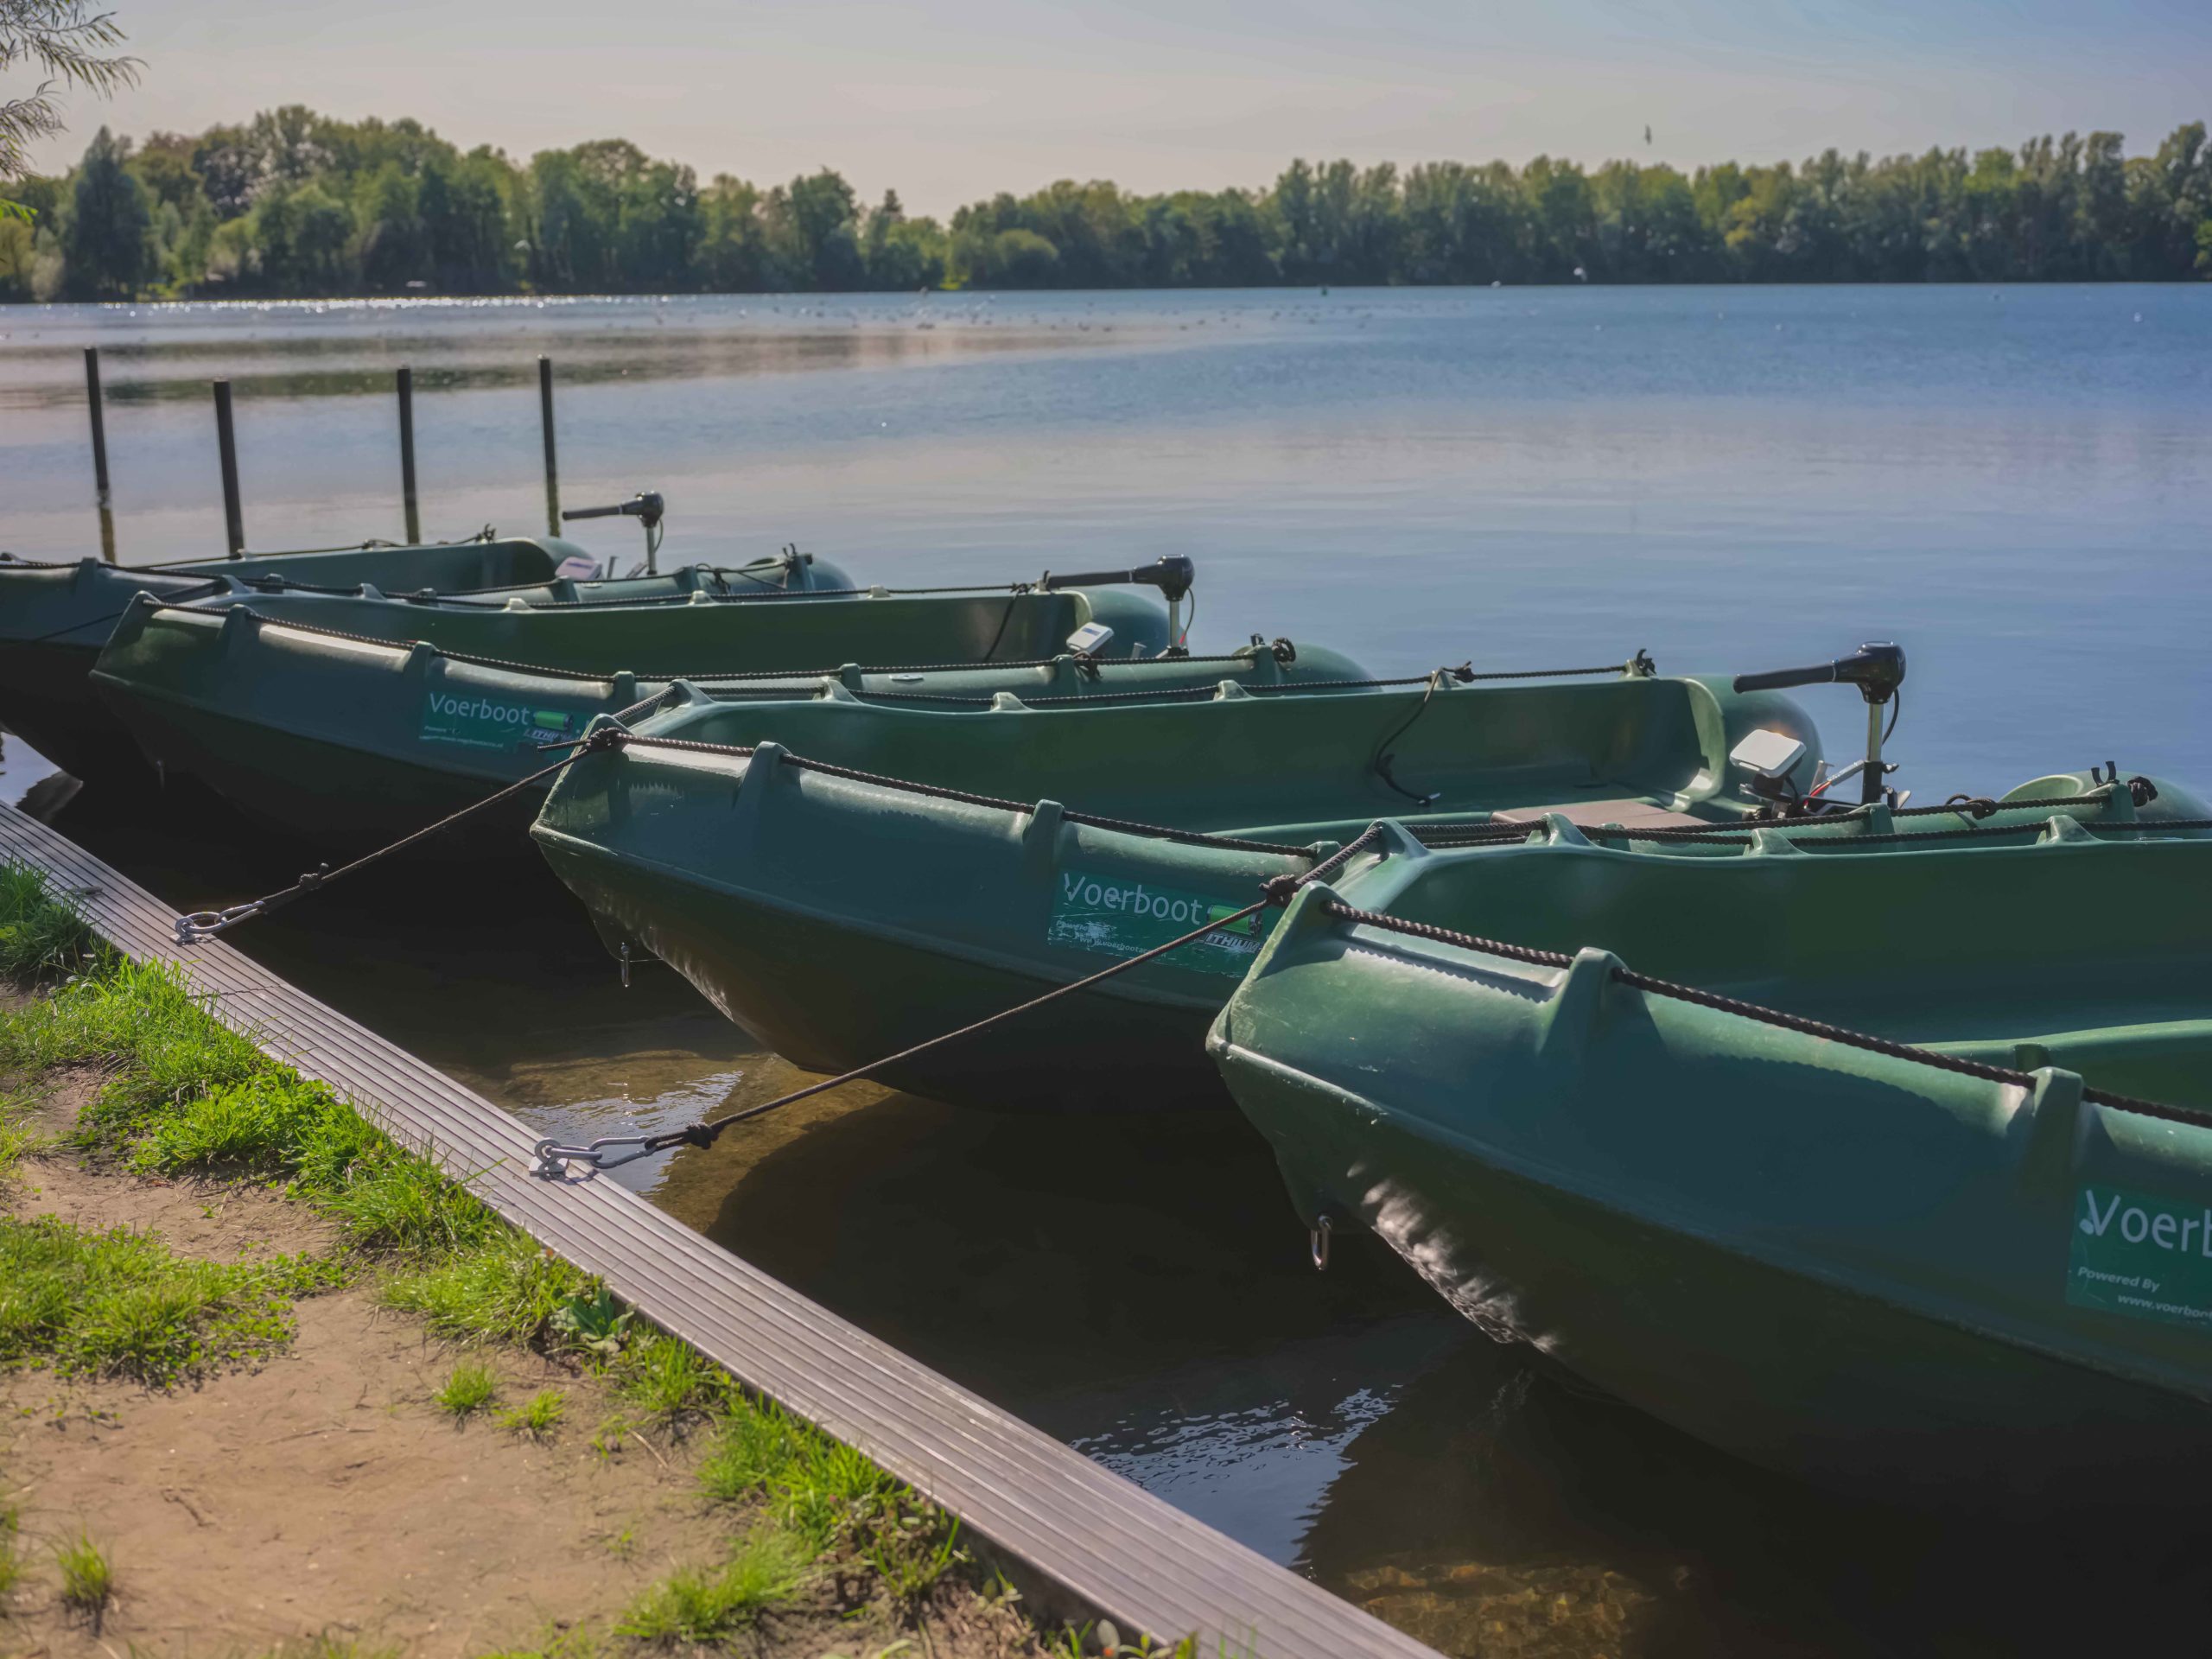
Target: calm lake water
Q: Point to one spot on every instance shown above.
(2013, 483)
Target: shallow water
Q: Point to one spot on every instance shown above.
(2011, 484)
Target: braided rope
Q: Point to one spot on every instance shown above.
(1736, 1007)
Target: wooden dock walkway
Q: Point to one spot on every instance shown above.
(1105, 1541)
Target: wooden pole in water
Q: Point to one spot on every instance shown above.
(552, 467)
(99, 421)
(226, 444)
(99, 451)
(407, 453)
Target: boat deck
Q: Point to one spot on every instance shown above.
(1105, 1544)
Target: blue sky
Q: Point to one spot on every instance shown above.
(960, 97)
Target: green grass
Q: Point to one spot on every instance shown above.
(668, 1380)
(500, 1289)
(265, 1124)
(699, 1606)
(821, 1489)
(11, 1563)
(119, 1303)
(38, 937)
(578, 1642)
(142, 1023)
(326, 1646)
(912, 1555)
(471, 1388)
(537, 1416)
(88, 1578)
(17, 1137)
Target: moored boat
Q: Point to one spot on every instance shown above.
(352, 742)
(55, 618)
(1881, 1198)
(840, 919)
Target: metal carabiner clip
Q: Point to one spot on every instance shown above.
(206, 924)
(553, 1158)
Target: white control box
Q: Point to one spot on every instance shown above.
(1768, 753)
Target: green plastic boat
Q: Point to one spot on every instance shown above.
(1850, 1264)
(840, 919)
(55, 618)
(351, 743)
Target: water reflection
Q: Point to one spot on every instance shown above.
(341, 368)
(1495, 1510)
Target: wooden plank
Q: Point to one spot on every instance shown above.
(1592, 815)
(1103, 1539)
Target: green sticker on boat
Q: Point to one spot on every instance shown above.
(2150, 1258)
(1119, 917)
(481, 722)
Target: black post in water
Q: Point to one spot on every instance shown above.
(227, 441)
(407, 453)
(99, 421)
(99, 452)
(552, 467)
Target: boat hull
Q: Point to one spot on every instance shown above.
(1771, 1364)
(353, 744)
(1834, 1261)
(54, 619)
(842, 919)
(832, 993)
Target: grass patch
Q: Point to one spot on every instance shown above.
(265, 1124)
(819, 1488)
(88, 1578)
(17, 1137)
(38, 936)
(471, 1388)
(119, 1304)
(912, 1555)
(579, 1643)
(697, 1606)
(502, 1288)
(11, 1562)
(537, 1416)
(324, 1645)
(144, 1024)
(668, 1380)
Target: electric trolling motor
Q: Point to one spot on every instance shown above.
(1172, 574)
(1877, 671)
(646, 507)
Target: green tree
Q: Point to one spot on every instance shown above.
(468, 212)
(105, 237)
(394, 243)
(229, 169)
(297, 202)
(301, 237)
(813, 223)
(734, 255)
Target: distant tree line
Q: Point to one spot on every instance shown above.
(296, 204)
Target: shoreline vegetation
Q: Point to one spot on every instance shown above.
(297, 204)
(189, 1226)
